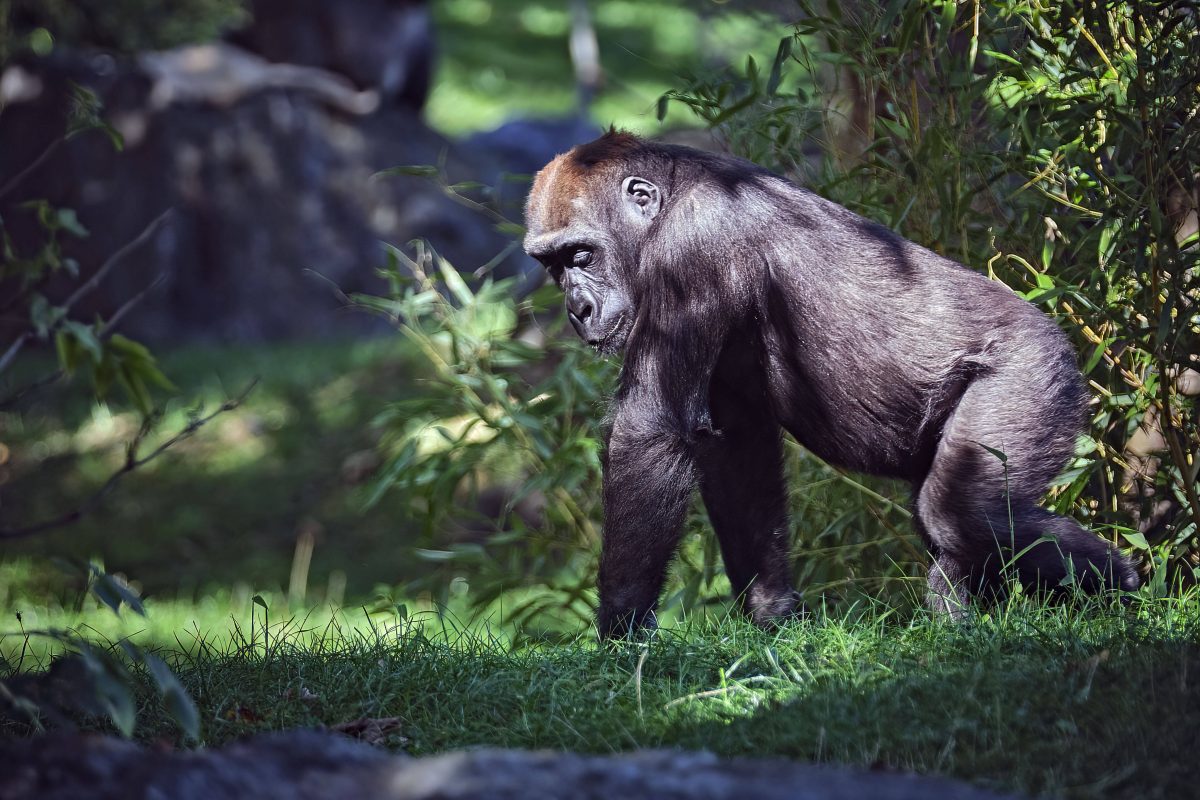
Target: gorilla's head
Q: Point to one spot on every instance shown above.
(588, 215)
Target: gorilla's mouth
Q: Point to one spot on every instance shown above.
(614, 339)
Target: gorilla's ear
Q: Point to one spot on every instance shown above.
(641, 197)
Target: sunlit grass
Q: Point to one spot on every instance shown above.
(502, 59)
(225, 506)
(218, 618)
(1079, 700)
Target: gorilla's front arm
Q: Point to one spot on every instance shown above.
(659, 417)
(693, 406)
(649, 474)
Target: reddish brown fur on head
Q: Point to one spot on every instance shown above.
(587, 214)
(570, 176)
(611, 146)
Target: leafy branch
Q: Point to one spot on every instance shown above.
(134, 459)
(58, 315)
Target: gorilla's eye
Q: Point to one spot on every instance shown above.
(582, 257)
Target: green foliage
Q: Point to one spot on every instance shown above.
(124, 26)
(108, 358)
(508, 58)
(499, 413)
(1046, 147)
(1058, 149)
(104, 356)
(109, 675)
(1114, 91)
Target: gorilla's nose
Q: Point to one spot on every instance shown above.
(583, 312)
(580, 313)
(578, 324)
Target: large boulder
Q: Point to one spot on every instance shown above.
(270, 169)
(315, 765)
(383, 45)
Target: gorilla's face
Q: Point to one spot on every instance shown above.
(597, 303)
(587, 231)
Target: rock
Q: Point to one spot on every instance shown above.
(221, 75)
(273, 182)
(525, 145)
(520, 147)
(304, 765)
(383, 45)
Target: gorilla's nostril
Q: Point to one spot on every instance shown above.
(585, 312)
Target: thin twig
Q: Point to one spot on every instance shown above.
(50, 377)
(132, 462)
(443, 182)
(91, 283)
(887, 501)
(487, 268)
(37, 162)
(116, 258)
(13, 349)
(1178, 455)
(108, 327)
(904, 540)
(103, 332)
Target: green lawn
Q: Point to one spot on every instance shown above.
(501, 58)
(1098, 702)
(225, 508)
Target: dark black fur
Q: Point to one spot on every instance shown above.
(745, 305)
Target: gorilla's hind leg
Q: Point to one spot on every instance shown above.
(979, 512)
(1094, 564)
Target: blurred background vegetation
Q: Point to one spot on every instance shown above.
(290, 476)
(454, 463)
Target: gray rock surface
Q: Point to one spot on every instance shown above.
(272, 177)
(304, 765)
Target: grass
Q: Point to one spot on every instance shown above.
(227, 507)
(1086, 701)
(501, 58)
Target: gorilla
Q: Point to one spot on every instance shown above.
(745, 305)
